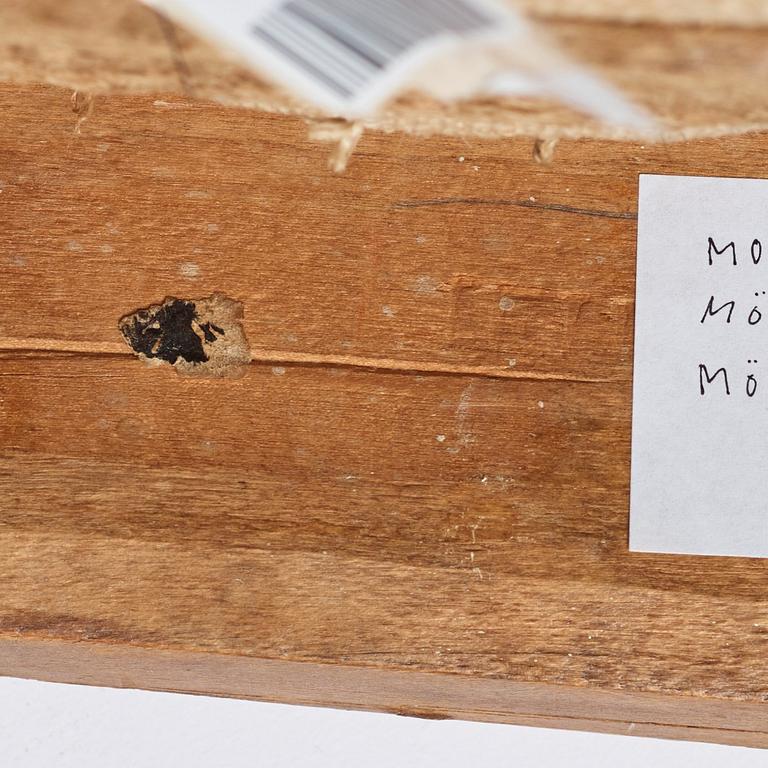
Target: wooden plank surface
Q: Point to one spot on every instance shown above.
(423, 474)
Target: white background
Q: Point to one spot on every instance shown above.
(62, 726)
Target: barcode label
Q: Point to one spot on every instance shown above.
(350, 56)
(346, 55)
(344, 45)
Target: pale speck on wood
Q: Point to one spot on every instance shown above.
(512, 362)
(212, 227)
(425, 284)
(17, 260)
(461, 158)
(189, 269)
(197, 194)
(541, 403)
(420, 239)
(106, 248)
(505, 303)
(102, 147)
(388, 311)
(74, 245)
(440, 438)
(278, 370)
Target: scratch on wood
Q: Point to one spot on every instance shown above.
(271, 357)
(68, 346)
(463, 438)
(629, 215)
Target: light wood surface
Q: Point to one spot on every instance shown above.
(415, 498)
(699, 67)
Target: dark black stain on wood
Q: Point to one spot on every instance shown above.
(201, 336)
(169, 332)
(210, 330)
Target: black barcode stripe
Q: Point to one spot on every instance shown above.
(413, 27)
(352, 27)
(379, 14)
(335, 63)
(304, 44)
(307, 66)
(344, 44)
(355, 47)
(459, 15)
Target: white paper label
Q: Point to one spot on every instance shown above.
(347, 55)
(700, 401)
(350, 56)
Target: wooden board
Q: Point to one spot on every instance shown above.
(415, 499)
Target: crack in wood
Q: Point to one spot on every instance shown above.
(306, 359)
(559, 208)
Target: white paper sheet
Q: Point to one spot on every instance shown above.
(700, 451)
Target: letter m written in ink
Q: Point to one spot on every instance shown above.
(705, 378)
(713, 250)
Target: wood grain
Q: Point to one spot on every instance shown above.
(416, 497)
